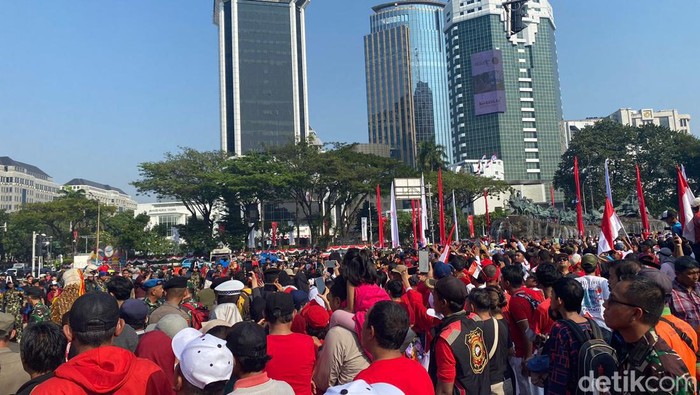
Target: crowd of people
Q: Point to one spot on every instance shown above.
(478, 317)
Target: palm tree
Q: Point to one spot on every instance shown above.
(431, 157)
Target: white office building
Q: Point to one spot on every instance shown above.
(22, 183)
(105, 194)
(671, 119)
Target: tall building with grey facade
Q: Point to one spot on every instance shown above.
(504, 89)
(406, 71)
(22, 184)
(262, 67)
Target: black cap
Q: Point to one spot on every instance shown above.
(34, 292)
(93, 312)
(452, 289)
(176, 282)
(247, 339)
(278, 304)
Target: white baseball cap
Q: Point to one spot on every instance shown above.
(204, 359)
(360, 387)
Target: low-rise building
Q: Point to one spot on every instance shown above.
(105, 194)
(22, 183)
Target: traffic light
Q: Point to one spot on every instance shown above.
(518, 11)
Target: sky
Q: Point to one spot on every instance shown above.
(90, 89)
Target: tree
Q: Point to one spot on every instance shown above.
(657, 150)
(125, 231)
(431, 157)
(195, 178)
(467, 187)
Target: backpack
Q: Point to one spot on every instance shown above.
(595, 357)
(197, 314)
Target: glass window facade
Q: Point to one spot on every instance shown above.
(419, 58)
(263, 73)
(533, 100)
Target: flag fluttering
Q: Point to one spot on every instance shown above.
(445, 256)
(685, 198)
(454, 216)
(611, 225)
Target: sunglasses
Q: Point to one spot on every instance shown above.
(612, 301)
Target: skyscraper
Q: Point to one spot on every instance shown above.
(262, 67)
(406, 70)
(504, 90)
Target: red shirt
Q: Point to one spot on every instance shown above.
(407, 375)
(520, 309)
(293, 359)
(542, 323)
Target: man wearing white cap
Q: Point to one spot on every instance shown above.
(205, 364)
(360, 387)
(227, 294)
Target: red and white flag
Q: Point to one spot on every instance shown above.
(685, 198)
(446, 249)
(611, 225)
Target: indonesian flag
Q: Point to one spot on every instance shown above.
(446, 249)
(685, 198)
(611, 225)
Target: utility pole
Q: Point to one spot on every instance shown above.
(97, 237)
(430, 204)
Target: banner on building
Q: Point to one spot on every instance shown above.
(488, 82)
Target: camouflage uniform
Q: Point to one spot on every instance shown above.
(13, 301)
(194, 284)
(152, 306)
(40, 313)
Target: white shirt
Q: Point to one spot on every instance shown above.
(595, 292)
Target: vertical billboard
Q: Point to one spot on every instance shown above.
(488, 82)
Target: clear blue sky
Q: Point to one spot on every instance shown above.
(89, 89)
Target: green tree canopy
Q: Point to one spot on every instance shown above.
(657, 150)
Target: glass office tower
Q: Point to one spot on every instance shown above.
(262, 62)
(504, 91)
(406, 71)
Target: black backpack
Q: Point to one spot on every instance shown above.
(596, 358)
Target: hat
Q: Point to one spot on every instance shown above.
(657, 276)
(317, 317)
(589, 261)
(247, 339)
(278, 304)
(34, 292)
(360, 387)
(399, 269)
(209, 325)
(230, 287)
(575, 259)
(203, 359)
(289, 272)
(154, 282)
(649, 259)
(170, 324)
(176, 282)
(7, 324)
(93, 312)
(452, 289)
(90, 269)
(441, 269)
(668, 214)
(133, 311)
(695, 202)
(300, 298)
